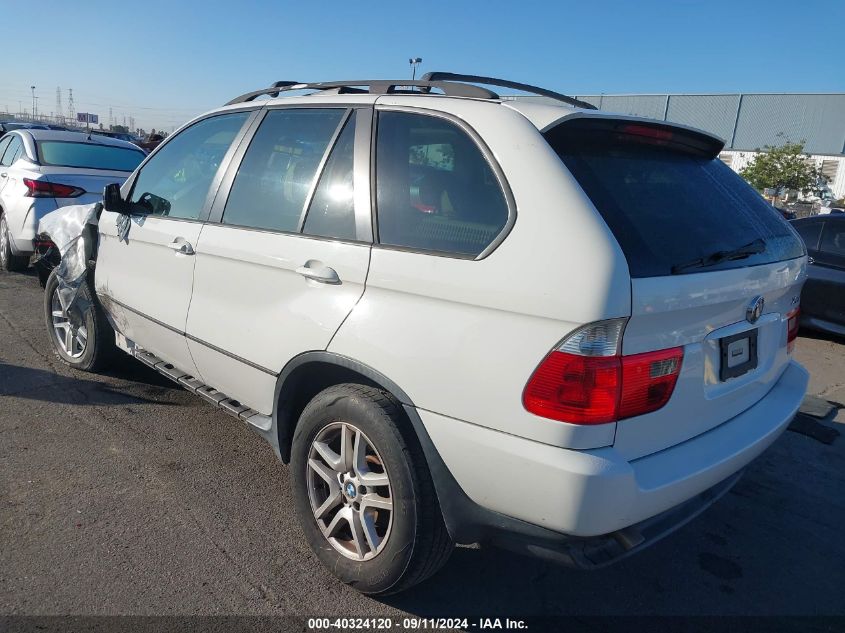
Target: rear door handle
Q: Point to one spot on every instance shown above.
(318, 271)
(181, 245)
(3, 175)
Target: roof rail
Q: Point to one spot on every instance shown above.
(504, 83)
(374, 86)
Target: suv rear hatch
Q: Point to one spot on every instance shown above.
(714, 268)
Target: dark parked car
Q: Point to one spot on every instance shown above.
(823, 297)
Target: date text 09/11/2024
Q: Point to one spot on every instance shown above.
(410, 623)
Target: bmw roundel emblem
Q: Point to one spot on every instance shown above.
(755, 309)
(350, 490)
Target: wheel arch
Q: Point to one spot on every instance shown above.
(308, 374)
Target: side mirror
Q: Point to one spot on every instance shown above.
(112, 200)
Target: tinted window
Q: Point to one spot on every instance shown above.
(176, 180)
(88, 155)
(669, 204)
(279, 168)
(332, 211)
(12, 151)
(435, 190)
(833, 239)
(809, 232)
(4, 143)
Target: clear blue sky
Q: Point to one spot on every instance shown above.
(165, 61)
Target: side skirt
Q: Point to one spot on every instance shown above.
(262, 424)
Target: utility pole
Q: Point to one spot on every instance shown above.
(59, 116)
(414, 62)
(71, 112)
(33, 101)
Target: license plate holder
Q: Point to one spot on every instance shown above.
(738, 354)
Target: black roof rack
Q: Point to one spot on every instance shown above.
(504, 83)
(374, 86)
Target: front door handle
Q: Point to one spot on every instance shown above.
(181, 245)
(3, 175)
(318, 271)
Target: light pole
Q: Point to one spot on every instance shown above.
(33, 101)
(414, 62)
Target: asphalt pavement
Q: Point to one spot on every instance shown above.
(124, 494)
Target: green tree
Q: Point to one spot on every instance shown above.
(782, 168)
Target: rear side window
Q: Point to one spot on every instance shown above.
(12, 151)
(4, 143)
(88, 155)
(435, 190)
(279, 168)
(809, 232)
(332, 211)
(833, 239)
(669, 200)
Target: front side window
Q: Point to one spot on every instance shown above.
(279, 168)
(176, 180)
(435, 190)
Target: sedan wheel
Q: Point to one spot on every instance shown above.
(4, 243)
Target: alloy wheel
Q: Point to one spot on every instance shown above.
(71, 336)
(4, 242)
(349, 491)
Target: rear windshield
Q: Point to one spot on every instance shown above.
(672, 206)
(88, 155)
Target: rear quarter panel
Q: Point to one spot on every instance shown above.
(462, 337)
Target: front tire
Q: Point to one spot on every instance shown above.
(363, 492)
(8, 260)
(81, 338)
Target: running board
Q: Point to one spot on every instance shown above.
(219, 399)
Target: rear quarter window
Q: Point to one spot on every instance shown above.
(670, 201)
(436, 191)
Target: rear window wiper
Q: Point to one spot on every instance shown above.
(741, 252)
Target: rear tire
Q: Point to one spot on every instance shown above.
(83, 338)
(410, 545)
(8, 260)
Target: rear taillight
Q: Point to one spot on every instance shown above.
(46, 189)
(648, 380)
(586, 380)
(792, 329)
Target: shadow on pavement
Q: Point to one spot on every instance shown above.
(38, 384)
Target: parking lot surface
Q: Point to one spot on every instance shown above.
(124, 494)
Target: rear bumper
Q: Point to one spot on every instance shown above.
(505, 484)
(23, 235)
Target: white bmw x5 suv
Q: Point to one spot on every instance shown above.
(460, 319)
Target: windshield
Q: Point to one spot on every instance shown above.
(669, 204)
(88, 155)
